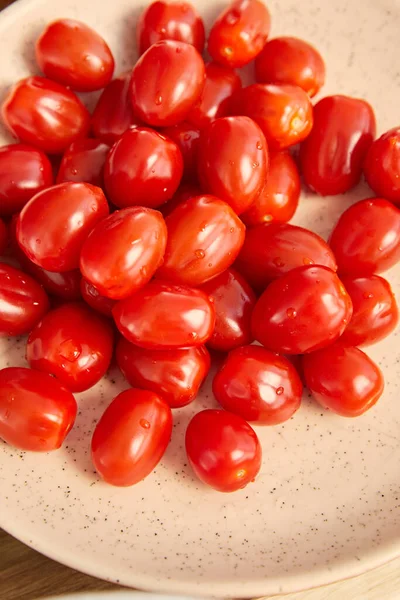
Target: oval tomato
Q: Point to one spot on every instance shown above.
(3, 237)
(186, 137)
(84, 162)
(92, 296)
(131, 437)
(382, 166)
(183, 193)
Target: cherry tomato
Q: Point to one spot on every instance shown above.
(366, 238)
(166, 82)
(123, 252)
(283, 112)
(52, 227)
(239, 33)
(381, 167)
(173, 20)
(24, 171)
(72, 343)
(219, 85)
(344, 379)
(36, 411)
(23, 302)
(184, 192)
(71, 53)
(45, 114)
(204, 239)
(302, 311)
(113, 113)
(84, 162)
(161, 315)
(186, 137)
(233, 301)
(233, 161)
(280, 195)
(143, 168)
(258, 386)
(375, 312)
(223, 450)
(175, 374)
(131, 437)
(332, 157)
(92, 296)
(291, 60)
(271, 250)
(3, 237)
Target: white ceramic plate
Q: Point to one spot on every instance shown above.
(327, 502)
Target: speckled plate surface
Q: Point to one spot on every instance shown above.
(327, 502)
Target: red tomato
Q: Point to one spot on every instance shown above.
(92, 296)
(45, 114)
(271, 250)
(186, 137)
(280, 195)
(219, 85)
(291, 60)
(284, 112)
(113, 113)
(173, 20)
(161, 315)
(72, 343)
(258, 386)
(375, 313)
(204, 239)
(24, 171)
(305, 310)
(233, 301)
(223, 450)
(366, 239)
(3, 237)
(131, 437)
(382, 166)
(166, 82)
(36, 411)
(71, 53)
(343, 379)
(52, 227)
(143, 168)
(84, 162)
(332, 157)
(123, 252)
(239, 33)
(23, 302)
(184, 192)
(233, 161)
(176, 374)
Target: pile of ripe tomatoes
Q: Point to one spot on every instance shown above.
(159, 225)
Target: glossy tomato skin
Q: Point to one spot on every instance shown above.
(175, 374)
(186, 137)
(343, 379)
(143, 168)
(382, 165)
(332, 157)
(233, 301)
(375, 312)
(283, 112)
(302, 311)
(131, 437)
(271, 250)
(53, 226)
(24, 171)
(366, 239)
(3, 237)
(219, 85)
(36, 411)
(95, 300)
(23, 302)
(204, 239)
(280, 195)
(166, 82)
(223, 450)
(164, 316)
(183, 193)
(291, 60)
(84, 162)
(45, 114)
(123, 252)
(258, 385)
(176, 20)
(233, 161)
(71, 53)
(239, 33)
